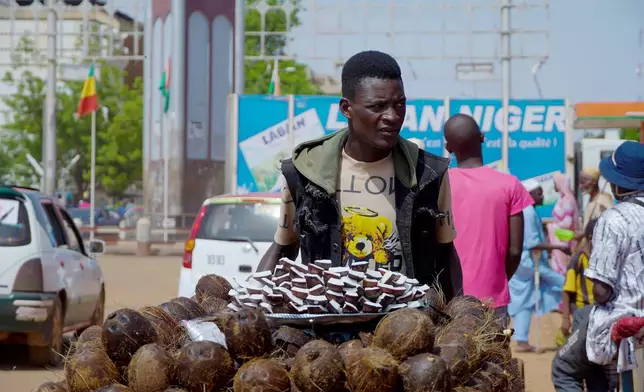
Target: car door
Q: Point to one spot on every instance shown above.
(89, 283)
(69, 266)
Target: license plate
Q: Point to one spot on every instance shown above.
(215, 260)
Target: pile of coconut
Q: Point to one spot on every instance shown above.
(319, 288)
(420, 350)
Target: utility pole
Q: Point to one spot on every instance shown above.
(49, 133)
(506, 71)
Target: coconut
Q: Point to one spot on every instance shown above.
(318, 367)
(167, 328)
(261, 375)
(212, 286)
(499, 376)
(467, 389)
(405, 333)
(177, 311)
(175, 389)
(192, 306)
(482, 381)
(90, 369)
(204, 366)
(457, 361)
(372, 369)
(437, 300)
(460, 339)
(289, 340)
(425, 373)
(213, 305)
(52, 387)
(115, 388)
(89, 337)
(124, 332)
(516, 381)
(151, 369)
(247, 333)
(349, 347)
(465, 304)
(366, 338)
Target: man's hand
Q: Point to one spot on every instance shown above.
(565, 326)
(566, 249)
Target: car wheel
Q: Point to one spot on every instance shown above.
(52, 353)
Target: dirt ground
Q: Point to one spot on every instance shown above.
(134, 282)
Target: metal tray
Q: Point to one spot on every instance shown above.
(322, 319)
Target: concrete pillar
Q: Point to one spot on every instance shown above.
(143, 234)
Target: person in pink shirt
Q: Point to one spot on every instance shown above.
(488, 208)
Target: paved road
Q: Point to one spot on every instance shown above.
(134, 282)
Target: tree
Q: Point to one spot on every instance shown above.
(258, 73)
(631, 134)
(118, 137)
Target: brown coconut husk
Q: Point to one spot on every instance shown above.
(151, 369)
(124, 332)
(481, 380)
(366, 338)
(435, 297)
(177, 311)
(212, 286)
(175, 389)
(169, 331)
(372, 369)
(465, 304)
(466, 389)
(500, 378)
(457, 361)
(405, 333)
(516, 381)
(349, 347)
(90, 337)
(194, 309)
(115, 388)
(52, 387)
(464, 340)
(214, 305)
(204, 366)
(491, 342)
(262, 375)
(89, 370)
(318, 367)
(288, 340)
(425, 373)
(247, 333)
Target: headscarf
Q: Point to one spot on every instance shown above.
(593, 173)
(530, 184)
(562, 182)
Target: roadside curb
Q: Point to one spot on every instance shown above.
(120, 250)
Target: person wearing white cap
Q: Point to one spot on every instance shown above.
(523, 285)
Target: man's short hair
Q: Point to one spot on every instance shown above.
(368, 64)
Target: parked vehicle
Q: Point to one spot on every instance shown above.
(50, 282)
(102, 217)
(229, 237)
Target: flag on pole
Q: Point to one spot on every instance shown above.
(89, 99)
(165, 87)
(274, 86)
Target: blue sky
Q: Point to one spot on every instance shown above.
(594, 46)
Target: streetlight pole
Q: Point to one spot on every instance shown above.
(49, 133)
(506, 6)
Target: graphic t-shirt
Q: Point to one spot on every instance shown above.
(367, 201)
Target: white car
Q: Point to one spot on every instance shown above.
(229, 237)
(50, 284)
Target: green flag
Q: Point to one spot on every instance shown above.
(164, 86)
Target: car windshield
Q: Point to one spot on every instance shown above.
(14, 223)
(240, 222)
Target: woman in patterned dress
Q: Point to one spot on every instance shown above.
(565, 215)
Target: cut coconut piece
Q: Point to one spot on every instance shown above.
(325, 264)
(330, 275)
(393, 307)
(350, 284)
(279, 271)
(237, 285)
(418, 294)
(387, 277)
(295, 273)
(266, 307)
(316, 309)
(335, 307)
(424, 288)
(408, 287)
(244, 298)
(250, 305)
(275, 299)
(233, 307)
(369, 283)
(352, 297)
(402, 279)
(301, 267)
(335, 284)
(297, 308)
(371, 307)
(233, 293)
(335, 296)
(299, 283)
(317, 290)
(315, 269)
(313, 280)
(292, 298)
(386, 299)
(389, 289)
(372, 293)
(357, 275)
(415, 304)
(253, 290)
(360, 266)
(361, 302)
(343, 271)
(283, 290)
(256, 298)
(413, 281)
(281, 279)
(317, 300)
(300, 293)
(371, 274)
(286, 285)
(403, 299)
(349, 308)
(262, 274)
(266, 290)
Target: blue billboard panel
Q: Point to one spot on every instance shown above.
(537, 134)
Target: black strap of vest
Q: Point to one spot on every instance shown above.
(636, 201)
(292, 178)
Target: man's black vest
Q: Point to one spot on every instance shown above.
(318, 217)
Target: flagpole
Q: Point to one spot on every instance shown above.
(165, 128)
(92, 181)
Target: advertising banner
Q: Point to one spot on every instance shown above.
(536, 149)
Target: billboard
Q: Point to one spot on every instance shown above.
(536, 150)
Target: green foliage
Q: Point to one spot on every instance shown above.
(258, 73)
(631, 134)
(118, 124)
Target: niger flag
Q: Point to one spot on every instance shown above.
(89, 100)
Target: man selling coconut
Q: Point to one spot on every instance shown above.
(364, 194)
